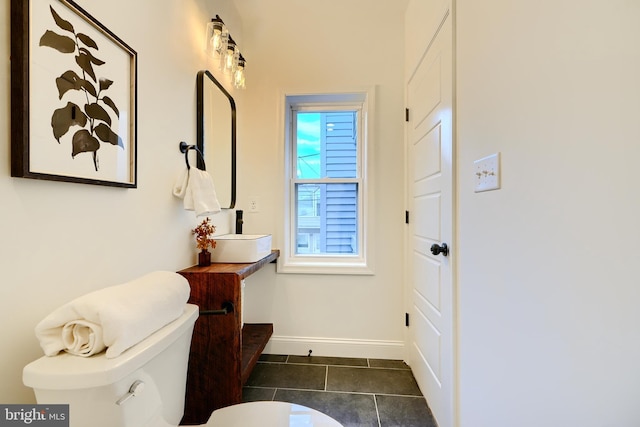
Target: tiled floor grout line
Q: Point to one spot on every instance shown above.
(375, 402)
(268, 362)
(326, 377)
(362, 393)
(364, 367)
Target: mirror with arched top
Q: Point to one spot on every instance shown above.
(216, 135)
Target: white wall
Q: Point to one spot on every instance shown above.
(549, 326)
(61, 240)
(311, 47)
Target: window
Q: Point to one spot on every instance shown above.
(326, 217)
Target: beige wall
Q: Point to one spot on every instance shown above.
(334, 46)
(548, 265)
(60, 240)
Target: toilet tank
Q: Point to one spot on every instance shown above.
(92, 386)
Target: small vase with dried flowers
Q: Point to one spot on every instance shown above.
(204, 240)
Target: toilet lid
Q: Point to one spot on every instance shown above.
(269, 414)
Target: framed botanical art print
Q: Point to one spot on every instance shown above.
(73, 96)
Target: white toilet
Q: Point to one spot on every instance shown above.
(145, 387)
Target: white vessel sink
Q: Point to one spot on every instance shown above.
(241, 248)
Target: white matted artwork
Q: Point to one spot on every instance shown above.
(75, 82)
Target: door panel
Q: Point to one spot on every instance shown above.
(429, 207)
(426, 87)
(430, 189)
(429, 150)
(429, 344)
(429, 287)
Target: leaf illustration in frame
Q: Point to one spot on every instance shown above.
(63, 118)
(95, 111)
(92, 58)
(111, 104)
(62, 23)
(69, 80)
(85, 63)
(84, 142)
(88, 41)
(47, 46)
(86, 84)
(60, 43)
(105, 133)
(105, 84)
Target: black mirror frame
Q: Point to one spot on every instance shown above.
(200, 126)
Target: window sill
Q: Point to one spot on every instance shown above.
(322, 266)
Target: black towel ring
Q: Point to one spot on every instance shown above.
(184, 148)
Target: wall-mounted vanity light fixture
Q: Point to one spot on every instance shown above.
(222, 47)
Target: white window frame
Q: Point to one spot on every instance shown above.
(362, 263)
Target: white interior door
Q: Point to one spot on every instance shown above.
(430, 182)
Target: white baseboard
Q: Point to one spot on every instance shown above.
(335, 347)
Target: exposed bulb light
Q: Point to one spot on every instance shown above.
(221, 46)
(238, 76)
(216, 32)
(228, 59)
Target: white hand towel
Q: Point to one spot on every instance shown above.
(182, 190)
(203, 192)
(197, 189)
(180, 187)
(117, 317)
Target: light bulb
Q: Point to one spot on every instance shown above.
(238, 76)
(216, 32)
(228, 59)
(216, 42)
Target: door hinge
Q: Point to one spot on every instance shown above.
(406, 217)
(406, 319)
(406, 114)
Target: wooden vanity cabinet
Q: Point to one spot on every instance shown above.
(223, 352)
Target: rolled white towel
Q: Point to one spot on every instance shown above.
(116, 317)
(82, 338)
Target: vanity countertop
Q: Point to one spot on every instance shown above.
(242, 270)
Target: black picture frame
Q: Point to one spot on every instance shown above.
(73, 97)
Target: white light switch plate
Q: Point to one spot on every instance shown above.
(487, 173)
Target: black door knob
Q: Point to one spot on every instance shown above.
(440, 249)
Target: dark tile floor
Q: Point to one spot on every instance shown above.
(355, 392)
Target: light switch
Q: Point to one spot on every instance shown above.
(487, 173)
